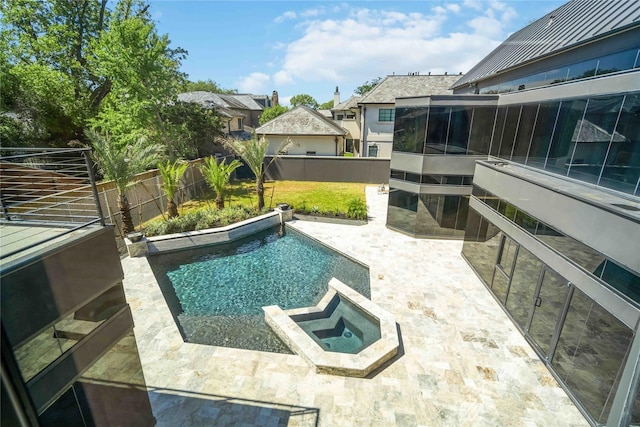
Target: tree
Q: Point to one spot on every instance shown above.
(304, 99)
(217, 176)
(146, 77)
(253, 152)
(271, 113)
(207, 86)
(194, 127)
(66, 62)
(171, 173)
(120, 164)
(367, 86)
(326, 105)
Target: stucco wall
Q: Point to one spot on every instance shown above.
(322, 145)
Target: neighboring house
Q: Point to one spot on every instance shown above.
(535, 162)
(378, 108)
(312, 133)
(238, 110)
(347, 115)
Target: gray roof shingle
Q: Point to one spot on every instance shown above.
(572, 24)
(393, 87)
(348, 104)
(301, 121)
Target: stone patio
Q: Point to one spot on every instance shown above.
(462, 362)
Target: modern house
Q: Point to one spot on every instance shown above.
(69, 356)
(312, 133)
(534, 161)
(378, 108)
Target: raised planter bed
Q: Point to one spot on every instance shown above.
(329, 219)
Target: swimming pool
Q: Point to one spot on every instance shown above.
(216, 293)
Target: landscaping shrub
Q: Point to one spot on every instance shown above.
(357, 208)
(201, 219)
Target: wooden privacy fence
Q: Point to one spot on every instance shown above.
(146, 197)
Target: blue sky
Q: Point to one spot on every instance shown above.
(313, 46)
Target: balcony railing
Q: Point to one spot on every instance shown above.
(47, 187)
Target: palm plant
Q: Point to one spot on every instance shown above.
(171, 173)
(253, 153)
(121, 164)
(217, 176)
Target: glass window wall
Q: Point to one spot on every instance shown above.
(410, 129)
(622, 163)
(460, 123)
(592, 261)
(481, 244)
(568, 123)
(591, 351)
(524, 282)
(437, 130)
(481, 130)
(524, 134)
(593, 136)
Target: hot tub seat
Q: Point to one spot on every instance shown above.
(320, 334)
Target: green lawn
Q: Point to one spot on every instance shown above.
(326, 196)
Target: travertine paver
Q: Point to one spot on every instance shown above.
(463, 362)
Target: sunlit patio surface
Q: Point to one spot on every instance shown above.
(462, 362)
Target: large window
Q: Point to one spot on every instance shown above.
(409, 129)
(386, 114)
(592, 348)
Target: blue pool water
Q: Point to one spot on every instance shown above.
(216, 293)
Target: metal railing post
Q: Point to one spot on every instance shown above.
(94, 189)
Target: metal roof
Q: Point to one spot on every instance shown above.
(572, 24)
(301, 120)
(393, 87)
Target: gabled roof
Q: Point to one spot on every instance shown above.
(212, 100)
(575, 23)
(393, 87)
(301, 121)
(244, 101)
(348, 104)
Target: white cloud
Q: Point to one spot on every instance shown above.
(454, 7)
(311, 12)
(282, 78)
(494, 20)
(473, 4)
(285, 101)
(254, 83)
(370, 43)
(285, 16)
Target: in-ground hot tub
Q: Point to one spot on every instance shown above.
(345, 334)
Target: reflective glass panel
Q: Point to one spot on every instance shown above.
(635, 412)
(523, 286)
(481, 130)
(459, 130)
(547, 308)
(545, 124)
(409, 129)
(509, 132)
(593, 136)
(590, 354)
(622, 166)
(617, 62)
(401, 212)
(500, 285)
(482, 241)
(437, 130)
(525, 131)
(568, 124)
(582, 70)
(499, 129)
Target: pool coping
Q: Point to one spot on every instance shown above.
(327, 362)
(189, 239)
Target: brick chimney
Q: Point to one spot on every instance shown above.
(274, 98)
(336, 97)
